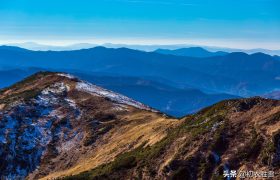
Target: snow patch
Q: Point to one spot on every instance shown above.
(56, 88)
(71, 142)
(71, 102)
(26, 129)
(115, 97)
(216, 125)
(120, 107)
(67, 75)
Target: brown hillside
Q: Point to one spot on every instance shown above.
(56, 126)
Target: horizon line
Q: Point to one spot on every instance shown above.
(210, 43)
(24, 45)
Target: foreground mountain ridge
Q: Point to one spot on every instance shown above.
(239, 135)
(50, 120)
(53, 125)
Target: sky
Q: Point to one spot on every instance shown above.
(224, 23)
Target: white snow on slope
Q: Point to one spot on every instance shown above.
(115, 97)
(67, 75)
(57, 88)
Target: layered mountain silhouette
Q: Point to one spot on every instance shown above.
(191, 52)
(237, 74)
(155, 93)
(54, 125)
(148, 48)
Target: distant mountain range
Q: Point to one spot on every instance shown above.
(231, 73)
(273, 95)
(173, 80)
(11, 76)
(148, 48)
(191, 52)
(157, 93)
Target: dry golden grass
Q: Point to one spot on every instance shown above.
(2, 106)
(127, 128)
(135, 131)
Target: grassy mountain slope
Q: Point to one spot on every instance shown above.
(51, 123)
(231, 135)
(56, 126)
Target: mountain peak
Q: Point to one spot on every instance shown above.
(51, 79)
(52, 115)
(13, 48)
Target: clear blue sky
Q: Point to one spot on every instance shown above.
(240, 23)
